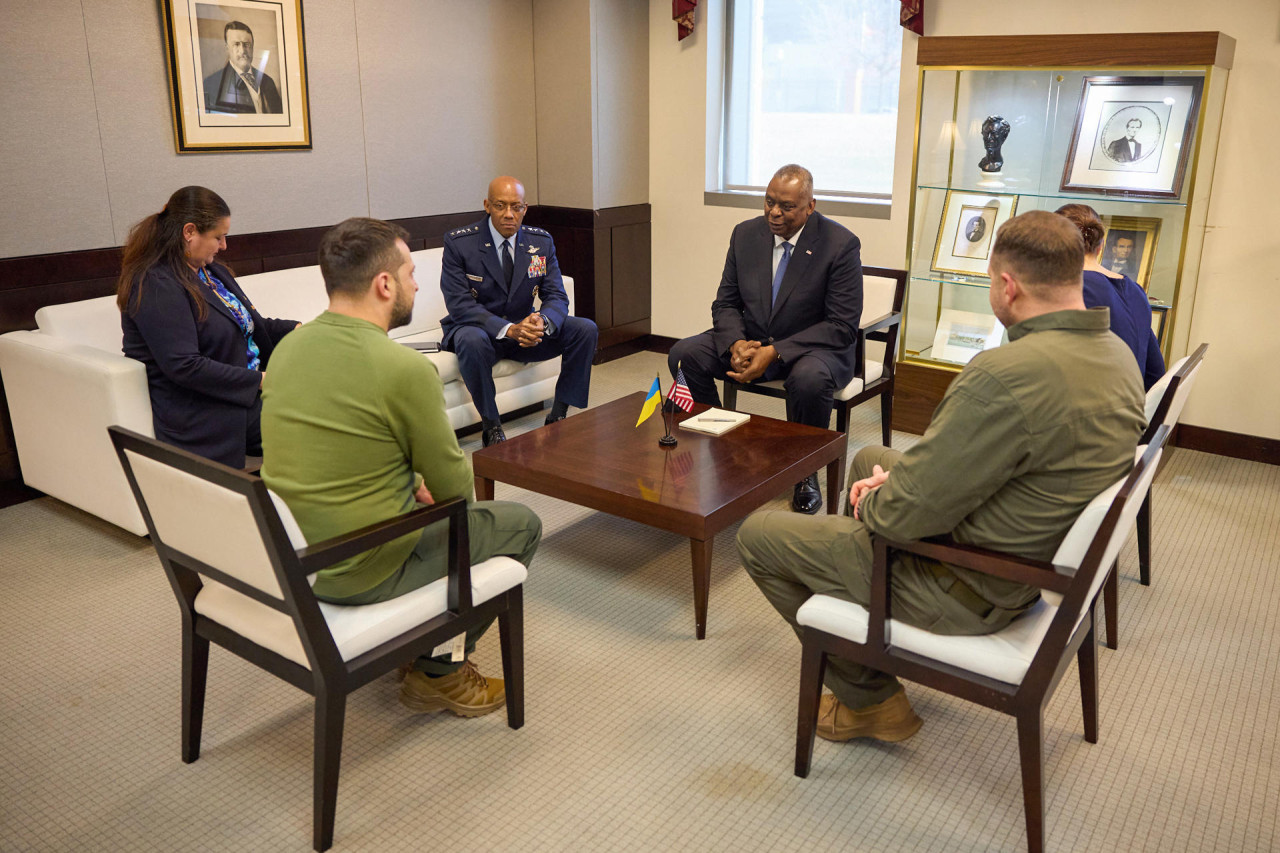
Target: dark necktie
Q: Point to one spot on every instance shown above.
(508, 265)
(782, 270)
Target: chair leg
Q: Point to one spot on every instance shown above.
(1087, 662)
(1144, 540)
(813, 665)
(886, 416)
(195, 671)
(1111, 606)
(331, 712)
(730, 396)
(511, 640)
(1031, 753)
(842, 417)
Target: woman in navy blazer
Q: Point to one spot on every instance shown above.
(203, 343)
(1130, 308)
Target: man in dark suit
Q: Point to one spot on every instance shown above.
(788, 308)
(491, 273)
(239, 87)
(1127, 149)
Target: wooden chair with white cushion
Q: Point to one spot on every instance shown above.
(882, 293)
(1165, 401)
(240, 569)
(1015, 670)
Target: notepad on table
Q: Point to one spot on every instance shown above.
(715, 421)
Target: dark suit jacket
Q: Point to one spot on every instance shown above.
(225, 92)
(819, 302)
(475, 292)
(1118, 150)
(202, 392)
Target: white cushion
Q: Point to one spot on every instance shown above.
(355, 629)
(92, 322)
(1005, 655)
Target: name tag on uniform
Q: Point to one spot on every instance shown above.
(475, 277)
(537, 266)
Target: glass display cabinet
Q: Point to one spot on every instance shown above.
(1125, 123)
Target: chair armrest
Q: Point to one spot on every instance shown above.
(323, 554)
(62, 396)
(893, 318)
(1036, 573)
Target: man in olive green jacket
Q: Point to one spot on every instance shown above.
(1024, 438)
(354, 431)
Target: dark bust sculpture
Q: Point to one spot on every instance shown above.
(995, 130)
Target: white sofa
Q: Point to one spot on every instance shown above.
(68, 381)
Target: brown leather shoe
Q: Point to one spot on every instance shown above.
(465, 692)
(890, 721)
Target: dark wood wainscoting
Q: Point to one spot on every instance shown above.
(605, 251)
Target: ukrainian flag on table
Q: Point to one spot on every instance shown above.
(651, 402)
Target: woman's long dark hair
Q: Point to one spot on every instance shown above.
(1086, 219)
(157, 239)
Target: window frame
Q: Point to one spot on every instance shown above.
(720, 192)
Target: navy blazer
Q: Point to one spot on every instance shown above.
(202, 392)
(475, 292)
(819, 302)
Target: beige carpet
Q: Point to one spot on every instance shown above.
(637, 736)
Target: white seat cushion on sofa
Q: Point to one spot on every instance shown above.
(1005, 655)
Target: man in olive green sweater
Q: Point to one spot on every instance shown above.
(354, 431)
(1024, 438)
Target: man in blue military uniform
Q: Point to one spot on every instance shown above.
(491, 274)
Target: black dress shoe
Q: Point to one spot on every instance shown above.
(493, 436)
(552, 419)
(807, 497)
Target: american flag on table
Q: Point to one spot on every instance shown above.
(680, 392)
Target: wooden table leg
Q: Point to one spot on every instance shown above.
(701, 581)
(484, 489)
(835, 478)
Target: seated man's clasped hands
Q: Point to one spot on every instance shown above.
(1026, 435)
(788, 308)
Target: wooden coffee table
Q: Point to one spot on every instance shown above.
(598, 458)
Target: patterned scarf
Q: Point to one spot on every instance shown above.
(237, 309)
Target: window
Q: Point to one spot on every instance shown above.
(813, 82)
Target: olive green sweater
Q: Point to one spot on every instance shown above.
(352, 423)
(1024, 438)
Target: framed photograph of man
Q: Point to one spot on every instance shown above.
(1133, 135)
(1130, 246)
(968, 230)
(237, 75)
(963, 334)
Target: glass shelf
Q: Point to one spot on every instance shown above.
(982, 283)
(1028, 190)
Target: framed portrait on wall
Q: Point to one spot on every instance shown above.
(968, 230)
(1130, 246)
(963, 334)
(237, 75)
(1133, 135)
